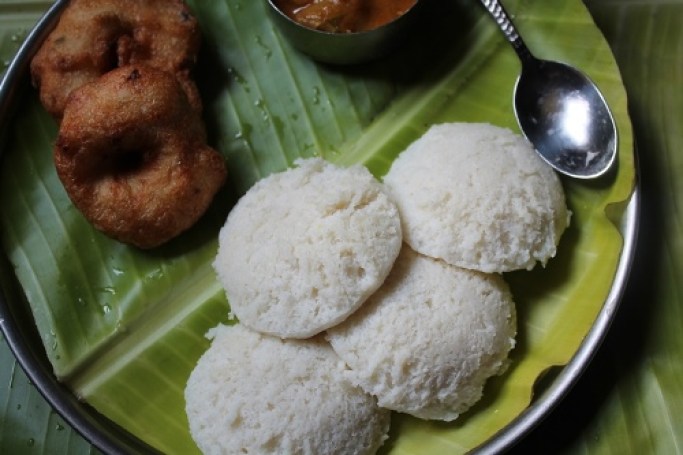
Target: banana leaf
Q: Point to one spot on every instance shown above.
(123, 328)
(631, 398)
(28, 424)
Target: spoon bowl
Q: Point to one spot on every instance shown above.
(560, 110)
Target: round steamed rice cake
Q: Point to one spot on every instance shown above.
(479, 197)
(304, 248)
(252, 393)
(426, 342)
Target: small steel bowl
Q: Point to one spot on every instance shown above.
(346, 48)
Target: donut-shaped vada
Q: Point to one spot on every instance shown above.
(93, 37)
(132, 156)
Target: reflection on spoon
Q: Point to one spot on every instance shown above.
(560, 110)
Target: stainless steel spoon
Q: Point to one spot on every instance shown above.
(560, 110)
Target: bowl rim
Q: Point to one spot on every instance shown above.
(276, 9)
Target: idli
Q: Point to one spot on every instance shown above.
(427, 341)
(257, 394)
(304, 248)
(479, 197)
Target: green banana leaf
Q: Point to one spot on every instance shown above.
(27, 423)
(123, 328)
(631, 398)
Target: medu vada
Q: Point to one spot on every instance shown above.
(93, 37)
(133, 158)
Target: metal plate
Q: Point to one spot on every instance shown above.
(110, 438)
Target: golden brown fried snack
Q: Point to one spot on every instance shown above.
(96, 36)
(132, 156)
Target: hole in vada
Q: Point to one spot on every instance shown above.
(111, 58)
(127, 162)
(113, 47)
(117, 162)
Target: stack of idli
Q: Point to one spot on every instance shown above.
(301, 251)
(356, 297)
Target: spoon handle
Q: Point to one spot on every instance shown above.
(502, 18)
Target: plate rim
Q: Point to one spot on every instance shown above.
(542, 406)
(110, 438)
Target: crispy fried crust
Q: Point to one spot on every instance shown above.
(96, 36)
(132, 156)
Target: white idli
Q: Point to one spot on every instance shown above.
(304, 248)
(426, 342)
(479, 197)
(256, 394)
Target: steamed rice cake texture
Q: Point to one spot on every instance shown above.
(479, 197)
(255, 394)
(428, 340)
(304, 248)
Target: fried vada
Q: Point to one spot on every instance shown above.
(132, 156)
(95, 36)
